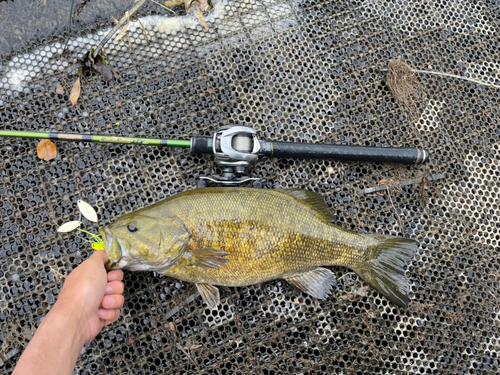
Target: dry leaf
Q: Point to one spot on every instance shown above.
(123, 30)
(198, 7)
(173, 3)
(199, 14)
(59, 89)
(75, 92)
(46, 150)
(204, 5)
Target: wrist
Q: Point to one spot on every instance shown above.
(56, 345)
(70, 320)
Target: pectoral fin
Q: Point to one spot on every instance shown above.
(316, 283)
(207, 257)
(210, 295)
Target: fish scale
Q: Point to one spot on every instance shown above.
(243, 236)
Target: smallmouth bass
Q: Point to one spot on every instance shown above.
(242, 236)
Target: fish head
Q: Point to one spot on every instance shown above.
(143, 243)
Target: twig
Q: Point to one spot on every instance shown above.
(346, 274)
(396, 211)
(163, 6)
(414, 181)
(181, 347)
(118, 26)
(4, 357)
(423, 186)
(176, 309)
(455, 76)
(123, 30)
(401, 64)
(70, 26)
(174, 3)
(143, 29)
(492, 294)
(487, 115)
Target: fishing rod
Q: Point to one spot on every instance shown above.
(236, 148)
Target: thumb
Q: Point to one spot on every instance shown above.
(100, 256)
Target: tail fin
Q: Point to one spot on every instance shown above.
(384, 267)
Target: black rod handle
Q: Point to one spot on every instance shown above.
(403, 155)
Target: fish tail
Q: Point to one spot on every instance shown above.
(384, 264)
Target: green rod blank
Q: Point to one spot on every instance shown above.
(96, 138)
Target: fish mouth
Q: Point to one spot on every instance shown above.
(115, 248)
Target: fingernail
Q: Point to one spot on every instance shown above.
(107, 301)
(112, 276)
(109, 289)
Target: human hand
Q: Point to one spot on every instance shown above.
(89, 300)
(92, 296)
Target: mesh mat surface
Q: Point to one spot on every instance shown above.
(298, 70)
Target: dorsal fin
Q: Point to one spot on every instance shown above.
(313, 200)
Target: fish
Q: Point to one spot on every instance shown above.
(239, 236)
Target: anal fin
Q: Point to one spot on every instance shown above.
(210, 295)
(317, 283)
(208, 257)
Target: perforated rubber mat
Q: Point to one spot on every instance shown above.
(308, 71)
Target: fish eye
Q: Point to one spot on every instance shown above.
(132, 228)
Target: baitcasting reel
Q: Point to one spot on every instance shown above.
(235, 149)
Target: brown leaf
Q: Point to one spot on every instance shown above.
(187, 5)
(75, 92)
(123, 30)
(46, 150)
(199, 14)
(59, 89)
(173, 3)
(204, 5)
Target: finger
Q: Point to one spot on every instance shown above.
(116, 275)
(100, 256)
(114, 301)
(108, 315)
(115, 287)
(108, 322)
